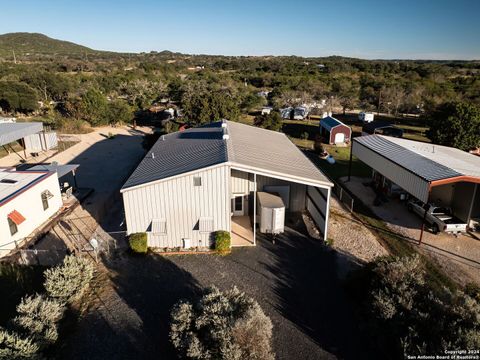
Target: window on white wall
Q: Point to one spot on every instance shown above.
(13, 227)
(159, 227)
(205, 224)
(197, 181)
(45, 196)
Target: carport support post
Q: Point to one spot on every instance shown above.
(254, 209)
(424, 216)
(475, 189)
(350, 161)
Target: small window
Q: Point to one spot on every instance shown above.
(205, 224)
(197, 181)
(159, 227)
(13, 227)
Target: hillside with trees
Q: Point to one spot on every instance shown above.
(67, 84)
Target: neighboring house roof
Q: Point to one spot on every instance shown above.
(430, 162)
(13, 183)
(10, 132)
(249, 148)
(329, 123)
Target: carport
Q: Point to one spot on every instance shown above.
(30, 135)
(431, 173)
(297, 194)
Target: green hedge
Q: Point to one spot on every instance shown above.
(138, 243)
(222, 242)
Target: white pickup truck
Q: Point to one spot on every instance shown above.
(439, 218)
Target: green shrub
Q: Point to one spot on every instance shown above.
(38, 319)
(14, 347)
(138, 243)
(68, 281)
(221, 325)
(222, 242)
(402, 306)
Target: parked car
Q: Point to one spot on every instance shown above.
(439, 218)
(365, 117)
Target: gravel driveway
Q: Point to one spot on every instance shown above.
(295, 281)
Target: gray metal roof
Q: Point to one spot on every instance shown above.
(179, 153)
(248, 147)
(428, 161)
(10, 132)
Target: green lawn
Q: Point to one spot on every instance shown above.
(342, 158)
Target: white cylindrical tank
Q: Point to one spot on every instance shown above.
(271, 213)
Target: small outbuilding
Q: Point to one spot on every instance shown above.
(382, 128)
(334, 131)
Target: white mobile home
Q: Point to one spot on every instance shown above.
(204, 179)
(27, 200)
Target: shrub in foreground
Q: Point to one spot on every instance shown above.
(14, 347)
(222, 325)
(409, 316)
(69, 280)
(138, 243)
(222, 242)
(38, 318)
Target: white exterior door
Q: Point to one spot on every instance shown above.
(238, 205)
(339, 138)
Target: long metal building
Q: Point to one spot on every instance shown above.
(195, 182)
(431, 173)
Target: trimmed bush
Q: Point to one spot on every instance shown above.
(222, 325)
(138, 243)
(38, 317)
(68, 281)
(14, 347)
(222, 242)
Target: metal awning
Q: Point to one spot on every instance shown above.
(16, 217)
(10, 132)
(61, 170)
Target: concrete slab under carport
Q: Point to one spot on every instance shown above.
(458, 255)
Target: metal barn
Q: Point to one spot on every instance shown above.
(431, 173)
(201, 180)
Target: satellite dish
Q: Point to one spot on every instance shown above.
(94, 243)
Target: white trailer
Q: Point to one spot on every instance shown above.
(366, 117)
(271, 212)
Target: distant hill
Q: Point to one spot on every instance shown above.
(34, 43)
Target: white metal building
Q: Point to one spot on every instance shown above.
(27, 200)
(195, 182)
(431, 173)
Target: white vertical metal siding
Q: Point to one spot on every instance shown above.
(41, 141)
(410, 182)
(182, 205)
(297, 191)
(242, 182)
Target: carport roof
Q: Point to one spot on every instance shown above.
(430, 162)
(248, 148)
(10, 132)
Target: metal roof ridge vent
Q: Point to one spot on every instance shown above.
(225, 135)
(225, 132)
(153, 155)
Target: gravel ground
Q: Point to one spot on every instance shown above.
(459, 256)
(295, 281)
(352, 237)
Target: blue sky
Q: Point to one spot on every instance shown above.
(422, 29)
